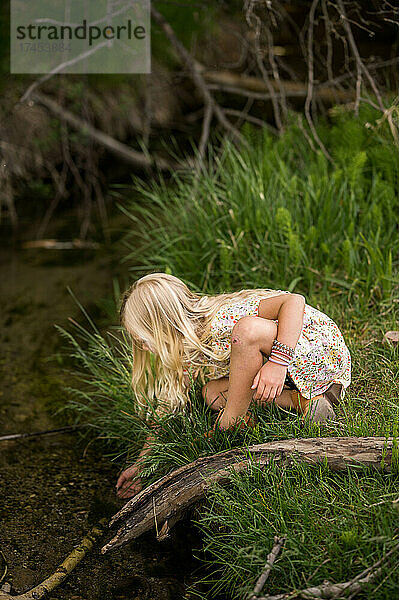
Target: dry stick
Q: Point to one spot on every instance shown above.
(371, 67)
(243, 115)
(138, 159)
(16, 436)
(291, 89)
(205, 132)
(196, 75)
(255, 87)
(60, 68)
(309, 94)
(257, 28)
(359, 63)
(327, 25)
(5, 567)
(61, 191)
(271, 557)
(64, 569)
(276, 74)
(336, 590)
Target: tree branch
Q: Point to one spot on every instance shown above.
(196, 75)
(329, 590)
(135, 158)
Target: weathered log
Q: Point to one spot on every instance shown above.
(167, 499)
(228, 81)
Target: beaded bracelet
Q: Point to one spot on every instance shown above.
(282, 346)
(281, 354)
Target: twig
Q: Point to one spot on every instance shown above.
(309, 95)
(59, 68)
(384, 502)
(5, 567)
(205, 131)
(16, 436)
(336, 590)
(317, 569)
(249, 12)
(271, 557)
(360, 66)
(253, 87)
(52, 244)
(243, 115)
(155, 517)
(64, 569)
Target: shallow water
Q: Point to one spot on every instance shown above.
(53, 489)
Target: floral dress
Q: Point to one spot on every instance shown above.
(321, 357)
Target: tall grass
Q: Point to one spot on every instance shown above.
(277, 215)
(336, 525)
(326, 517)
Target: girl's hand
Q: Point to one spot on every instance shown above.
(269, 382)
(129, 482)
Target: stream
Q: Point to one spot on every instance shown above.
(54, 488)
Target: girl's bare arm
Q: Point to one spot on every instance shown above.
(289, 310)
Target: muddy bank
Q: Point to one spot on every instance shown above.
(52, 489)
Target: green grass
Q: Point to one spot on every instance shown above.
(326, 518)
(277, 216)
(324, 515)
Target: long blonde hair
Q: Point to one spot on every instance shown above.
(160, 310)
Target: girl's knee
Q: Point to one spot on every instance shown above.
(252, 331)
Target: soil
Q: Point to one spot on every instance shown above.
(54, 488)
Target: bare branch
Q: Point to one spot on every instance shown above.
(359, 63)
(309, 95)
(205, 131)
(122, 150)
(179, 490)
(196, 75)
(278, 545)
(254, 21)
(336, 590)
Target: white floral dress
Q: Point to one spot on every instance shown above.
(321, 357)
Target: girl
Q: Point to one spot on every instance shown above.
(263, 345)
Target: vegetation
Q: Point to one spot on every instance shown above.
(278, 215)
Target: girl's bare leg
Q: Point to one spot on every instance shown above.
(215, 391)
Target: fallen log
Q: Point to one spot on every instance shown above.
(230, 82)
(137, 159)
(164, 502)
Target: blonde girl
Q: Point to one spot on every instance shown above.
(260, 345)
